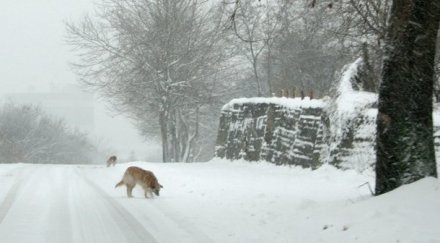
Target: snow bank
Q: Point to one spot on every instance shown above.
(407, 214)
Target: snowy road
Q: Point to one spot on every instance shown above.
(217, 201)
(58, 204)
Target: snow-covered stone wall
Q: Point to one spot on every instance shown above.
(305, 132)
(278, 130)
(339, 131)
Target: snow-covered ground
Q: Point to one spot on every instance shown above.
(217, 201)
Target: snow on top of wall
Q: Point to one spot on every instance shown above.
(281, 101)
(350, 103)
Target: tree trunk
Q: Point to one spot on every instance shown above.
(183, 136)
(257, 79)
(269, 68)
(255, 69)
(369, 83)
(164, 135)
(405, 146)
(174, 137)
(191, 139)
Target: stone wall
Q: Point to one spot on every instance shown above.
(278, 130)
(301, 132)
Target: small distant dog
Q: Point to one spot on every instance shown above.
(145, 178)
(111, 161)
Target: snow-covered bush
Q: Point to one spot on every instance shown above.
(29, 135)
(352, 116)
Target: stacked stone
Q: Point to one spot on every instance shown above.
(272, 131)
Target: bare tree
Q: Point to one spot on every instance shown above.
(363, 27)
(256, 25)
(156, 61)
(307, 53)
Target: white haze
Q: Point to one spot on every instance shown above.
(34, 59)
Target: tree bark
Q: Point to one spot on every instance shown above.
(405, 145)
(174, 137)
(191, 139)
(164, 135)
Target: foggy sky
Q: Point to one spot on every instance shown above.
(34, 58)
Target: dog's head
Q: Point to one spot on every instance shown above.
(157, 189)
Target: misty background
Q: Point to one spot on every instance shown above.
(35, 70)
(170, 66)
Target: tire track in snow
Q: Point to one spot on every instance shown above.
(11, 195)
(59, 215)
(199, 235)
(38, 205)
(170, 217)
(133, 230)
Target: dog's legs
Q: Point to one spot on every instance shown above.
(130, 190)
(148, 191)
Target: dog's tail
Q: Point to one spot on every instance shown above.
(119, 183)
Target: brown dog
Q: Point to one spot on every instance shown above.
(145, 178)
(111, 161)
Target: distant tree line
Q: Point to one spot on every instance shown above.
(29, 135)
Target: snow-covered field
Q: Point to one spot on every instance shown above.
(217, 201)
